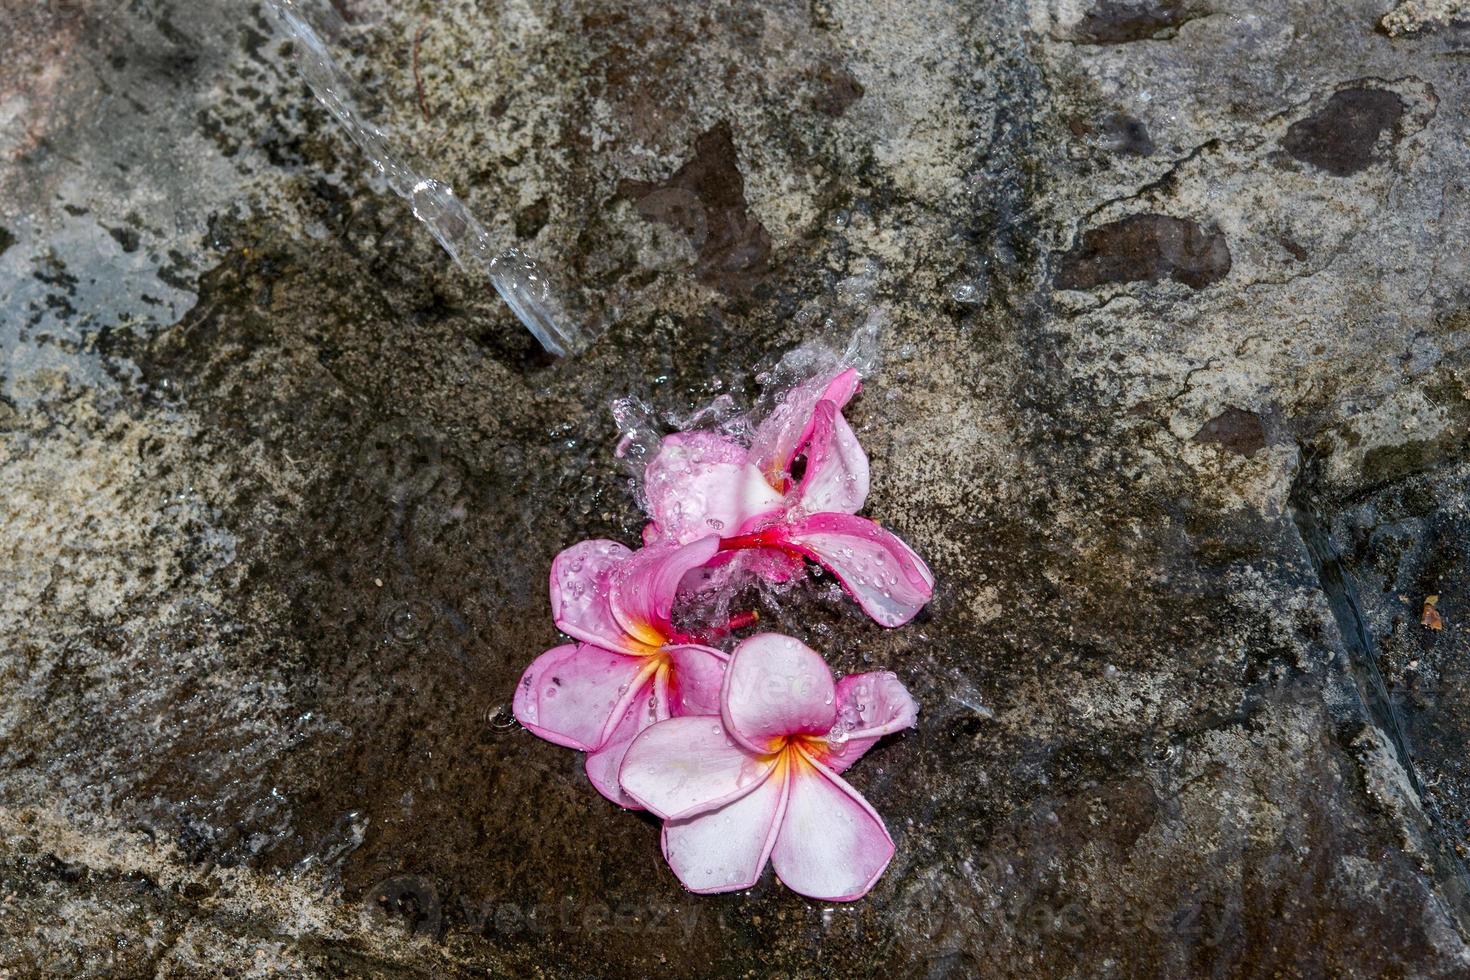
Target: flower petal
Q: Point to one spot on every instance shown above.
(832, 845)
(644, 586)
(686, 766)
(836, 477)
(883, 574)
(869, 706)
(776, 439)
(569, 694)
(725, 850)
(646, 707)
(581, 580)
(604, 763)
(699, 483)
(695, 677)
(776, 686)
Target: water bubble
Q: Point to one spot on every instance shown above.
(500, 718)
(407, 621)
(968, 293)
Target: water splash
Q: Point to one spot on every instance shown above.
(523, 283)
(845, 331)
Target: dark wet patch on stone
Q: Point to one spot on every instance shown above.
(1121, 21)
(1341, 136)
(1117, 133)
(838, 90)
(1128, 135)
(705, 199)
(1146, 247)
(1234, 429)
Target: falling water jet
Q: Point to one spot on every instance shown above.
(519, 279)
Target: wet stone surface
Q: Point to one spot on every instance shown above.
(1173, 397)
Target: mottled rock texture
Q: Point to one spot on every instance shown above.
(1174, 399)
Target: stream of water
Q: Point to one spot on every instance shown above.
(525, 284)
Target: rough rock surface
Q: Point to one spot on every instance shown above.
(1173, 398)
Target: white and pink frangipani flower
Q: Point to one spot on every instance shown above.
(759, 781)
(632, 668)
(792, 494)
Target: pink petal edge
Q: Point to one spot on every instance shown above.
(836, 478)
(581, 578)
(696, 675)
(700, 482)
(686, 766)
(602, 765)
(643, 588)
(726, 850)
(832, 845)
(869, 706)
(776, 439)
(573, 695)
(882, 573)
(776, 686)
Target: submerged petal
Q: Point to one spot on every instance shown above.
(581, 581)
(883, 574)
(776, 439)
(726, 849)
(776, 686)
(644, 586)
(570, 694)
(836, 477)
(686, 766)
(695, 676)
(699, 483)
(869, 706)
(832, 846)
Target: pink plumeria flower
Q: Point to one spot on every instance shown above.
(632, 668)
(760, 780)
(792, 494)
